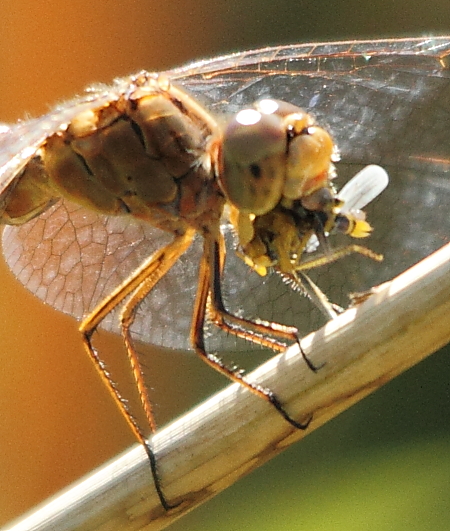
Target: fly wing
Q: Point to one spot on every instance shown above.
(363, 188)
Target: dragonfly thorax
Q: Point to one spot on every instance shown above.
(144, 154)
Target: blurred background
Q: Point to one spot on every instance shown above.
(382, 465)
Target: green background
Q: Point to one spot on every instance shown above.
(382, 465)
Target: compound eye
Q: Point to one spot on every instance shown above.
(253, 159)
(309, 160)
(279, 107)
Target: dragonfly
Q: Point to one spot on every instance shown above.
(94, 234)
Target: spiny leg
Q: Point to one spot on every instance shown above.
(265, 333)
(149, 269)
(163, 264)
(301, 281)
(210, 264)
(298, 279)
(337, 254)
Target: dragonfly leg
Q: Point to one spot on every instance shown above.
(337, 254)
(162, 264)
(138, 285)
(265, 333)
(210, 269)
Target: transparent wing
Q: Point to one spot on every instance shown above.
(385, 102)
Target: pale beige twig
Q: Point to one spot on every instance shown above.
(234, 432)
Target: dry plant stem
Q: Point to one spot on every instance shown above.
(234, 432)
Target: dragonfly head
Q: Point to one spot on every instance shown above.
(275, 169)
(271, 152)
